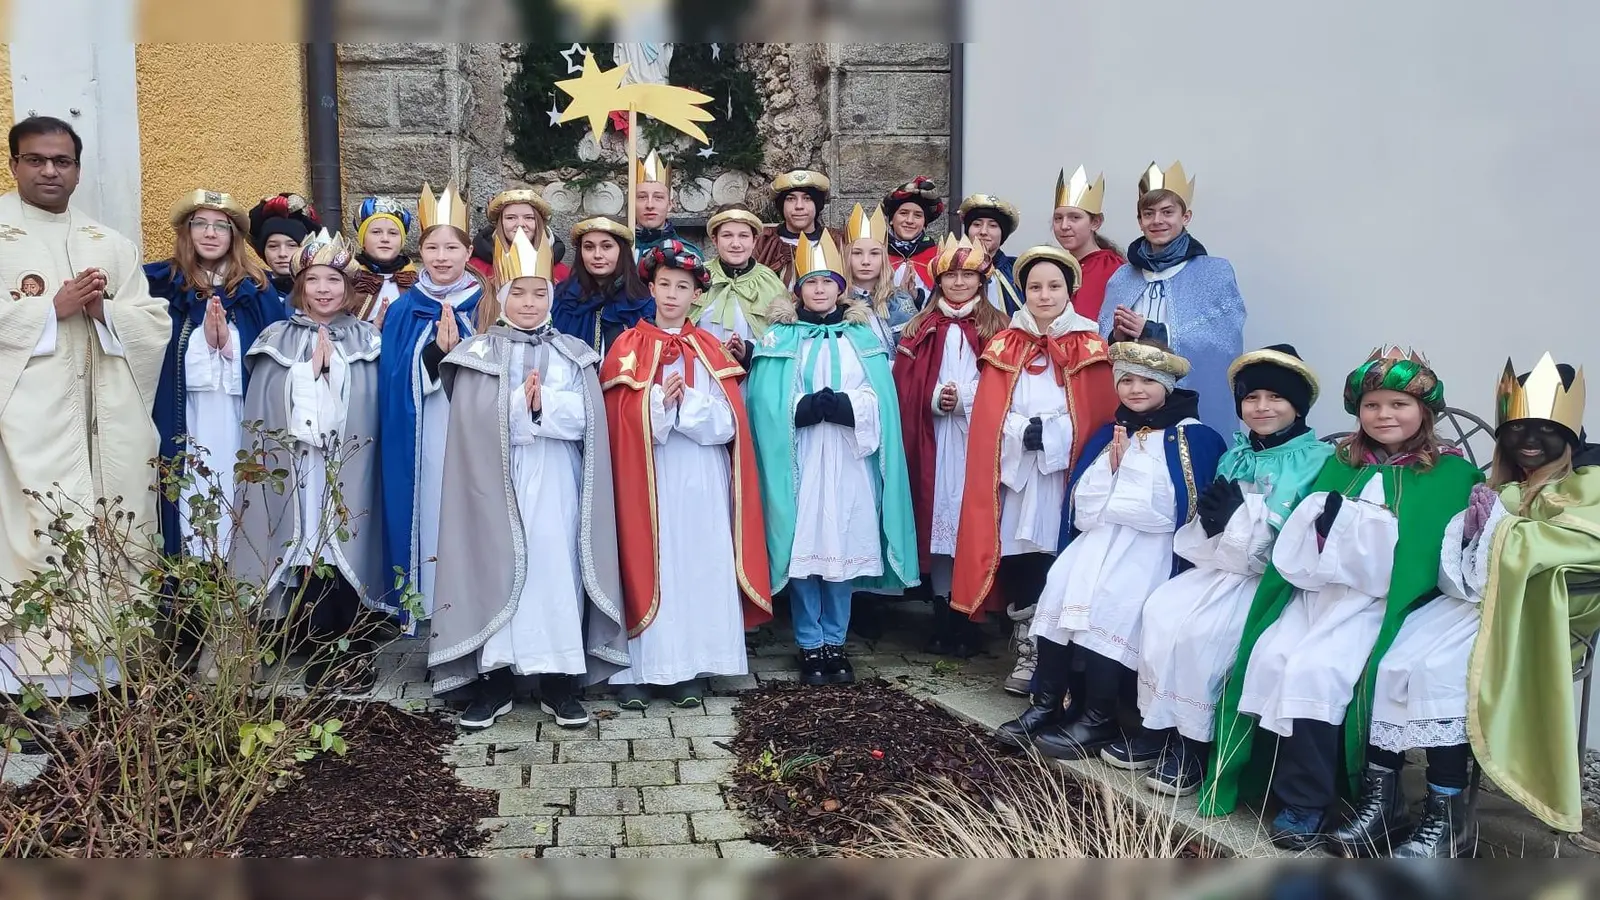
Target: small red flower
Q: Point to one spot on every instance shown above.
(877, 754)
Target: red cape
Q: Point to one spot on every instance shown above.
(626, 376)
(1091, 401)
(776, 254)
(1097, 270)
(916, 374)
(921, 266)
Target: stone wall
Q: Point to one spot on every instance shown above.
(871, 116)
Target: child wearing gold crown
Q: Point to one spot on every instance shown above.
(833, 477)
(1505, 599)
(444, 306)
(528, 579)
(1133, 486)
(988, 221)
(314, 377)
(872, 278)
(936, 374)
(1353, 560)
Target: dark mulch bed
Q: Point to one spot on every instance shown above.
(814, 760)
(391, 795)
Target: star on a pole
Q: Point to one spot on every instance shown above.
(572, 67)
(555, 111)
(597, 93)
(707, 153)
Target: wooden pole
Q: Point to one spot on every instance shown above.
(633, 167)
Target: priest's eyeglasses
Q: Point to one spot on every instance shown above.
(202, 226)
(35, 161)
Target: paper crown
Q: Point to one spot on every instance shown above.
(518, 195)
(218, 200)
(1078, 192)
(1055, 254)
(1144, 356)
(1272, 356)
(323, 249)
(520, 259)
(1393, 369)
(603, 225)
(449, 208)
(962, 254)
(800, 179)
(992, 205)
(734, 215)
(1542, 396)
(863, 226)
(812, 257)
(652, 170)
(1173, 179)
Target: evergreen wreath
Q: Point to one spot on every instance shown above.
(541, 147)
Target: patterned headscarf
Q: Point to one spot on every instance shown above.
(674, 255)
(373, 208)
(1392, 370)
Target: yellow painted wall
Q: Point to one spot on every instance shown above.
(7, 183)
(225, 117)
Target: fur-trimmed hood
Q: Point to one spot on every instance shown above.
(786, 311)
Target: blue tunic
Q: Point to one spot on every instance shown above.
(250, 308)
(1204, 318)
(597, 319)
(407, 329)
(1005, 280)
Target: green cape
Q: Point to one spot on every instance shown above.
(775, 382)
(1519, 714)
(1424, 502)
(752, 291)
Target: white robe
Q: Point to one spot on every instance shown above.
(1307, 663)
(1193, 623)
(1034, 482)
(545, 634)
(1095, 593)
(741, 325)
(838, 491)
(958, 365)
(1420, 698)
(698, 629)
(386, 294)
(213, 383)
(435, 412)
(318, 408)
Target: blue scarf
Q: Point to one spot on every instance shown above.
(250, 308)
(412, 317)
(1183, 249)
(591, 318)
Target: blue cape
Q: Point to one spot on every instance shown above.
(591, 317)
(250, 308)
(1005, 272)
(406, 329)
(1199, 443)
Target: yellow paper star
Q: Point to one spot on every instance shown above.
(1092, 346)
(479, 348)
(592, 15)
(996, 345)
(595, 94)
(629, 362)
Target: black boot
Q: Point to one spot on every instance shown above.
(942, 641)
(1081, 739)
(966, 635)
(1447, 829)
(1044, 715)
(836, 668)
(1380, 812)
(814, 666)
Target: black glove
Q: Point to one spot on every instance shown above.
(1218, 504)
(1033, 435)
(839, 411)
(807, 412)
(432, 356)
(1329, 513)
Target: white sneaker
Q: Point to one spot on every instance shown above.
(1023, 647)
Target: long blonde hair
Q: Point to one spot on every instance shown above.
(1505, 472)
(238, 264)
(990, 321)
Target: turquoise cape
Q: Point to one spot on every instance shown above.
(775, 383)
(1283, 473)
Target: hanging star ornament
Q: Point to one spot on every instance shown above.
(554, 112)
(595, 94)
(716, 51)
(568, 53)
(707, 153)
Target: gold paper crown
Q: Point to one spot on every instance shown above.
(1145, 356)
(863, 226)
(518, 195)
(449, 208)
(1078, 192)
(602, 225)
(801, 178)
(990, 202)
(951, 257)
(1543, 396)
(323, 249)
(1173, 179)
(218, 200)
(652, 169)
(1055, 254)
(519, 259)
(734, 215)
(811, 257)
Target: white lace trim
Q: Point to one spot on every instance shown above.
(1418, 735)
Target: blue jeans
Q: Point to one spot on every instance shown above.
(821, 611)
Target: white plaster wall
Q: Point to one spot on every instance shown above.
(1418, 171)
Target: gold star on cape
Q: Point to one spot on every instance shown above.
(1092, 346)
(629, 362)
(595, 94)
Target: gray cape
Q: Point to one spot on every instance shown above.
(269, 516)
(483, 561)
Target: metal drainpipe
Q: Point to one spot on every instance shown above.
(322, 112)
(958, 113)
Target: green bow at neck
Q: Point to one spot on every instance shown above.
(820, 336)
